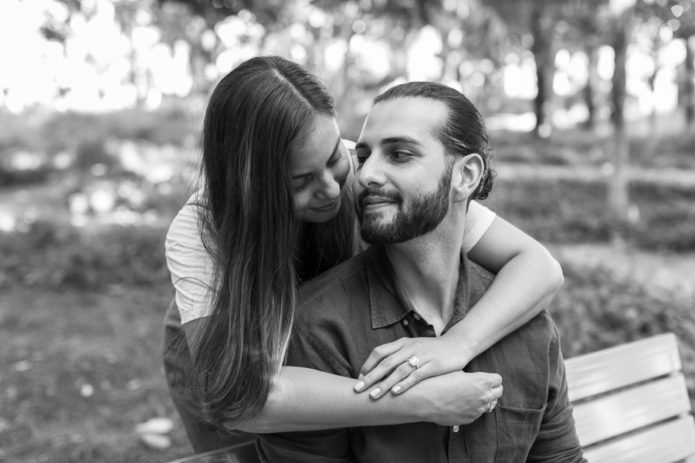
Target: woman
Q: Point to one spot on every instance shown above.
(274, 211)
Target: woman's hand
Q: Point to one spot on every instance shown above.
(458, 398)
(389, 366)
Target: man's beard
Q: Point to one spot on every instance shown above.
(425, 212)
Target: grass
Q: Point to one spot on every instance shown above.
(58, 342)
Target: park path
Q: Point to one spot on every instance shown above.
(680, 177)
(662, 271)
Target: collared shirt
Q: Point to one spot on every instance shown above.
(351, 309)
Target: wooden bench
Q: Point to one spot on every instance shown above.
(630, 402)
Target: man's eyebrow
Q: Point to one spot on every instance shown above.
(389, 141)
(403, 139)
(335, 149)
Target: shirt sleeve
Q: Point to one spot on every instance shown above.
(327, 446)
(478, 220)
(557, 439)
(190, 265)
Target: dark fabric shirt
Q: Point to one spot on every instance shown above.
(351, 309)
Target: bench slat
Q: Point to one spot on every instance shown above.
(619, 366)
(631, 409)
(669, 442)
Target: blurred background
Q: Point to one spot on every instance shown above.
(590, 106)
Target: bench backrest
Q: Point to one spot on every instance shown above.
(631, 403)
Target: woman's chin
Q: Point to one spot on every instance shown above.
(320, 215)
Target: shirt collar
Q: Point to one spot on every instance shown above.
(389, 304)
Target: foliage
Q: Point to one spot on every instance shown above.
(574, 211)
(52, 256)
(597, 309)
(166, 126)
(84, 138)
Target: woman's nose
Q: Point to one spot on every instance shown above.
(330, 186)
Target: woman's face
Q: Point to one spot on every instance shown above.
(319, 170)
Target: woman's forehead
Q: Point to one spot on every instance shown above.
(319, 145)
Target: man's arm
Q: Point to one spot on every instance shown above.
(327, 446)
(557, 439)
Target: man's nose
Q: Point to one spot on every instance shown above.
(371, 171)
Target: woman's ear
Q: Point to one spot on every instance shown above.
(466, 176)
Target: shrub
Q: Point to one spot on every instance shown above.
(598, 309)
(576, 211)
(49, 255)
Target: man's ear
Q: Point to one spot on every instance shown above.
(466, 176)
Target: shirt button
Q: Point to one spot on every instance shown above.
(456, 428)
(405, 322)
(416, 316)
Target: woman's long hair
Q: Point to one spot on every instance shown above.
(257, 114)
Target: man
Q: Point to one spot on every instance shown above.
(423, 155)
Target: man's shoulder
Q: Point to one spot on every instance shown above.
(480, 275)
(479, 280)
(335, 285)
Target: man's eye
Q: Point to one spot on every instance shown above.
(362, 157)
(400, 156)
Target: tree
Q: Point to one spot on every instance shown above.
(586, 31)
(536, 18)
(686, 33)
(618, 198)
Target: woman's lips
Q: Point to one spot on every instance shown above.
(328, 206)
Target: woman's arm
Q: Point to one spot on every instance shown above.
(303, 400)
(527, 279)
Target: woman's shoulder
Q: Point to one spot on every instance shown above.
(185, 225)
(189, 263)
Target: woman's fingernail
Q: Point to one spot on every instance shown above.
(359, 386)
(375, 393)
(396, 389)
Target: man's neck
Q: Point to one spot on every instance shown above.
(426, 269)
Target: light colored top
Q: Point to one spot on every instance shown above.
(191, 267)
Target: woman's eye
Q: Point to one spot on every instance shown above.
(301, 183)
(332, 161)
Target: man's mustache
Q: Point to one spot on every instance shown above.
(377, 194)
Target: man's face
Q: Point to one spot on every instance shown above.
(404, 175)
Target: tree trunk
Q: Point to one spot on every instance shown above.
(688, 88)
(542, 53)
(618, 199)
(589, 91)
